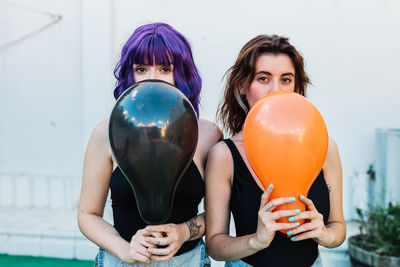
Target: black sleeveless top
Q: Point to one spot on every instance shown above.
(127, 220)
(245, 203)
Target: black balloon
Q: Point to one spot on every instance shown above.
(153, 135)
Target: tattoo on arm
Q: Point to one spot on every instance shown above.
(329, 187)
(194, 228)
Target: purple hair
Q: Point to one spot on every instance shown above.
(159, 44)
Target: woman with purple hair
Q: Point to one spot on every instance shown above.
(154, 51)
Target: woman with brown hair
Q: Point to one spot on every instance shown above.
(264, 65)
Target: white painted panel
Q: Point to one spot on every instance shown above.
(40, 191)
(23, 191)
(7, 190)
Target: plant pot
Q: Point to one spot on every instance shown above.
(363, 258)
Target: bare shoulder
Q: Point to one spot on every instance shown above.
(209, 135)
(333, 151)
(219, 164)
(332, 165)
(101, 129)
(99, 137)
(209, 130)
(220, 154)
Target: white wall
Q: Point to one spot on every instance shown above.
(40, 90)
(55, 86)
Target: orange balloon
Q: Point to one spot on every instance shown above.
(286, 141)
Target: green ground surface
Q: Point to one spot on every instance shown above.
(27, 261)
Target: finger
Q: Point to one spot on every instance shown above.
(158, 234)
(309, 215)
(147, 232)
(283, 213)
(279, 201)
(163, 241)
(139, 249)
(308, 202)
(141, 258)
(142, 233)
(303, 228)
(161, 258)
(146, 243)
(306, 235)
(284, 226)
(265, 195)
(268, 208)
(159, 228)
(159, 251)
(155, 234)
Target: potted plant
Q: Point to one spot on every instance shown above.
(378, 243)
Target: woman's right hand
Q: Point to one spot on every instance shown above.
(137, 249)
(267, 225)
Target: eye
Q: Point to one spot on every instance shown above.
(263, 79)
(139, 69)
(286, 80)
(166, 69)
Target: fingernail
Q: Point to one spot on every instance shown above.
(292, 199)
(298, 211)
(270, 186)
(302, 197)
(290, 232)
(297, 223)
(291, 219)
(293, 238)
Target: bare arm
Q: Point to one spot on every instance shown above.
(218, 177)
(336, 226)
(196, 227)
(221, 246)
(334, 232)
(95, 185)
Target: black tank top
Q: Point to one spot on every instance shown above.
(127, 220)
(245, 203)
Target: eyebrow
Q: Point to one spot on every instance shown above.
(143, 65)
(268, 73)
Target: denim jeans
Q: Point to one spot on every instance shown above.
(239, 263)
(196, 257)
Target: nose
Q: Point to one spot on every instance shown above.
(275, 86)
(153, 75)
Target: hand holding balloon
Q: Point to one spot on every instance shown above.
(167, 240)
(136, 251)
(314, 226)
(267, 219)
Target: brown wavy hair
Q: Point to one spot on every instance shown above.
(234, 107)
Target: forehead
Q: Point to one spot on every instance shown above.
(274, 64)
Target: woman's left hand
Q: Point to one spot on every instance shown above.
(313, 227)
(169, 236)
